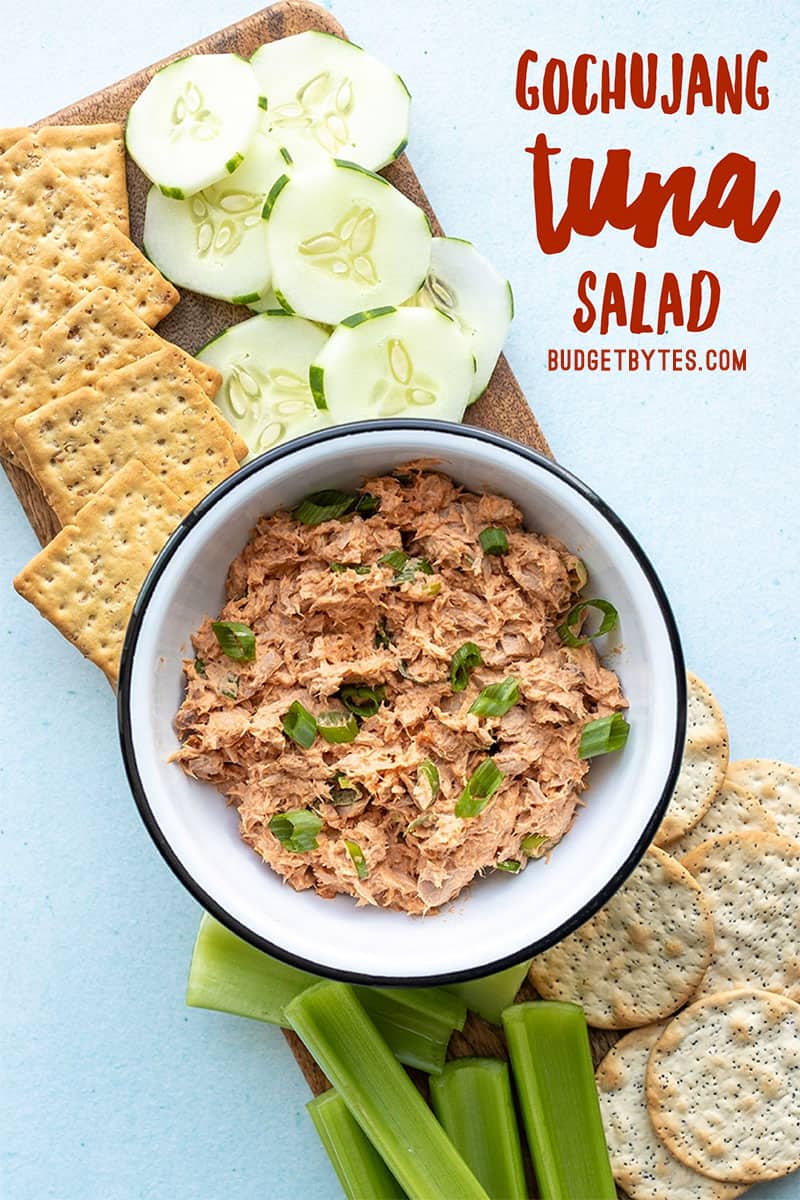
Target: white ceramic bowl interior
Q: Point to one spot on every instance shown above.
(501, 918)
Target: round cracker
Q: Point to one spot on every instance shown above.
(641, 956)
(705, 760)
(723, 1086)
(752, 882)
(733, 808)
(777, 786)
(641, 1163)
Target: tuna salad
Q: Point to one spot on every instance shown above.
(401, 691)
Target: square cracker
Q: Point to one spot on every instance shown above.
(30, 303)
(86, 580)
(48, 221)
(97, 335)
(13, 134)
(93, 155)
(153, 410)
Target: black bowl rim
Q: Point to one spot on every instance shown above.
(207, 901)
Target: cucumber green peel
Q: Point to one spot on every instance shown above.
(359, 1168)
(229, 975)
(548, 1043)
(472, 1100)
(343, 1040)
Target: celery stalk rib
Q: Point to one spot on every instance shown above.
(333, 1025)
(227, 974)
(490, 995)
(548, 1043)
(359, 1168)
(472, 1099)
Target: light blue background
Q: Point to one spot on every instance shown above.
(112, 1089)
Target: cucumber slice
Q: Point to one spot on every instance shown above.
(194, 121)
(396, 362)
(333, 95)
(215, 243)
(267, 302)
(464, 285)
(342, 240)
(265, 393)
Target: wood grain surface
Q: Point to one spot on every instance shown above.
(503, 407)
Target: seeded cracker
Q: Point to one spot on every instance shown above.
(705, 759)
(92, 155)
(723, 1086)
(9, 137)
(96, 336)
(153, 410)
(641, 956)
(86, 580)
(641, 1163)
(752, 882)
(777, 786)
(47, 221)
(732, 809)
(30, 303)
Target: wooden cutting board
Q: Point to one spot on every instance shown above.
(502, 408)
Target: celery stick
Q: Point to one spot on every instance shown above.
(227, 974)
(472, 1099)
(549, 1047)
(332, 1022)
(490, 995)
(359, 1168)
(416, 1022)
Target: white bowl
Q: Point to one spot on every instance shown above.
(501, 919)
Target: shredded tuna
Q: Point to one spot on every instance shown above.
(317, 628)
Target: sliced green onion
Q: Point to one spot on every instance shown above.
(490, 995)
(403, 668)
(366, 504)
(236, 641)
(345, 1043)
(296, 830)
(532, 843)
(335, 725)
(481, 786)
(382, 639)
(229, 975)
(331, 504)
(396, 559)
(608, 622)
(299, 724)
(362, 700)
(343, 790)
(603, 735)
(462, 664)
(548, 1043)
(412, 568)
(577, 575)
(200, 668)
(430, 773)
(496, 699)
(231, 690)
(359, 568)
(511, 865)
(359, 1168)
(357, 859)
(472, 1100)
(493, 541)
(424, 818)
